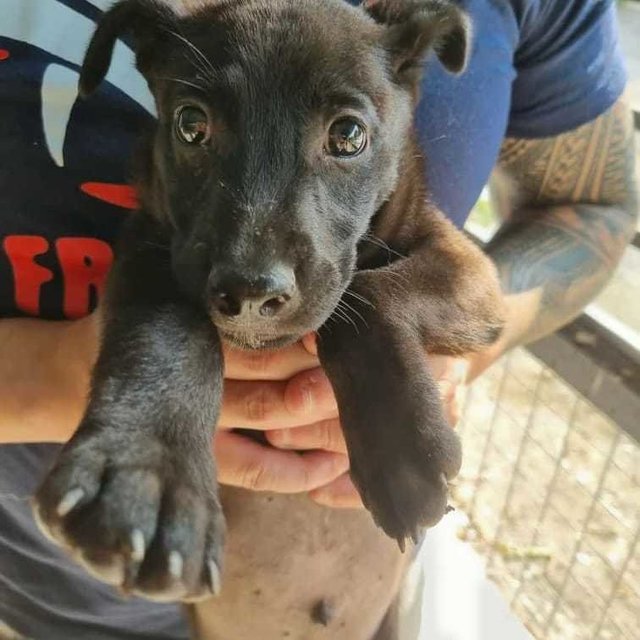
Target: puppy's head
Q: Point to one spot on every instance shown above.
(281, 128)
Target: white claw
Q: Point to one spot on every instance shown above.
(214, 577)
(137, 545)
(175, 565)
(70, 501)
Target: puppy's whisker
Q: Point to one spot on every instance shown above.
(389, 271)
(193, 48)
(345, 315)
(383, 245)
(185, 82)
(346, 304)
(357, 296)
(201, 70)
(347, 320)
(399, 277)
(378, 242)
(209, 68)
(395, 278)
(338, 314)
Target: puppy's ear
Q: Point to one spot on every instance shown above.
(144, 20)
(417, 26)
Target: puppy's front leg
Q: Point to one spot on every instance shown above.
(133, 494)
(402, 451)
(443, 297)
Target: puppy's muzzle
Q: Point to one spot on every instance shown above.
(251, 297)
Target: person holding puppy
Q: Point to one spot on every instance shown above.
(568, 153)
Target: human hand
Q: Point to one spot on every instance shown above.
(275, 390)
(326, 435)
(287, 395)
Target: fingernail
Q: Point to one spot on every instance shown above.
(325, 390)
(307, 395)
(309, 343)
(316, 390)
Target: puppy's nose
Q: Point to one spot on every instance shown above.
(234, 293)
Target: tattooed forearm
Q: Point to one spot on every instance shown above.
(567, 255)
(574, 213)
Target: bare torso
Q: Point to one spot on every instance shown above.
(296, 570)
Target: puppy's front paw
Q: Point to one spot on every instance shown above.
(137, 514)
(402, 477)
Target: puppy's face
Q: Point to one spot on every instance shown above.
(281, 128)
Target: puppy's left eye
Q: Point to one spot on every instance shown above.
(346, 138)
(192, 125)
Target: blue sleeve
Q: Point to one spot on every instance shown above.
(537, 68)
(462, 120)
(569, 66)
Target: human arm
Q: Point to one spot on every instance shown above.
(44, 377)
(570, 207)
(45, 370)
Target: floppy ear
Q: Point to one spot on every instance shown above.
(144, 20)
(417, 26)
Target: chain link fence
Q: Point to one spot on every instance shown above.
(551, 484)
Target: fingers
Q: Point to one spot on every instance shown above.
(279, 393)
(326, 435)
(310, 343)
(245, 463)
(281, 364)
(304, 399)
(339, 494)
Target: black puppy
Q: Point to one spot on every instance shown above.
(281, 192)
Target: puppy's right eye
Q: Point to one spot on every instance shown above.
(346, 138)
(192, 125)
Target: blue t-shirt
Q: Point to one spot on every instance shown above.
(538, 68)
